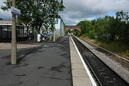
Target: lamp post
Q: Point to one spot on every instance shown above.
(13, 46)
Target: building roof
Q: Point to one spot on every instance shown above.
(5, 22)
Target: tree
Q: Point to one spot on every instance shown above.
(1, 19)
(123, 18)
(108, 28)
(37, 13)
(83, 26)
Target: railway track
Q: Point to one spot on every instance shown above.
(103, 75)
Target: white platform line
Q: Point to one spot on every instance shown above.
(85, 66)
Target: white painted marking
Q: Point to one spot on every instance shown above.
(85, 66)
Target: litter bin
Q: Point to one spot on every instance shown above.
(38, 37)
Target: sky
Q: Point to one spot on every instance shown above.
(4, 14)
(77, 10)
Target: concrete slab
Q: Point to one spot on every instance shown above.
(79, 73)
(81, 81)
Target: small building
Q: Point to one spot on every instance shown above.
(5, 31)
(59, 26)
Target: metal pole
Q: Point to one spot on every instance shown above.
(54, 37)
(14, 46)
(54, 29)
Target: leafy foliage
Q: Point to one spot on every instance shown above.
(1, 19)
(108, 28)
(37, 13)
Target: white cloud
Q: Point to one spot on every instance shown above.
(4, 14)
(77, 10)
(1, 2)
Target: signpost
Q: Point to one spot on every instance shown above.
(15, 12)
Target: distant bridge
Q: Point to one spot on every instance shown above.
(72, 28)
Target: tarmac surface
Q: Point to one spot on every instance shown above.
(5, 48)
(48, 65)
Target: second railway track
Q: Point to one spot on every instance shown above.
(103, 75)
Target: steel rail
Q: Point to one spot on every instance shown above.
(103, 75)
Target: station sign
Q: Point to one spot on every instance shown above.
(15, 11)
(5, 22)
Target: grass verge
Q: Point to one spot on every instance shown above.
(117, 47)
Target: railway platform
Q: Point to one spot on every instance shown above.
(105, 71)
(60, 63)
(47, 65)
(81, 75)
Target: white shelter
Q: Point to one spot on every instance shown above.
(59, 27)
